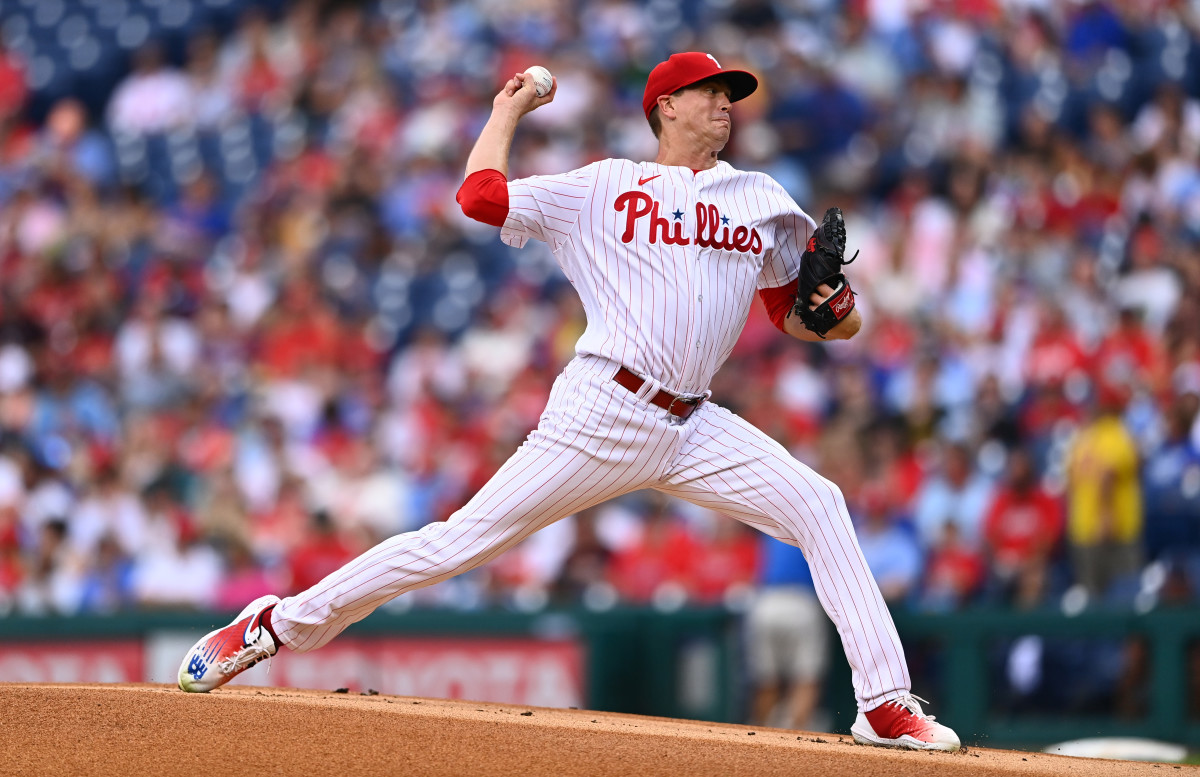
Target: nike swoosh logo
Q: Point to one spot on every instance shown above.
(644, 181)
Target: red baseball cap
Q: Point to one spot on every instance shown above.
(691, 67)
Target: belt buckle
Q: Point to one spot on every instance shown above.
(692, 403)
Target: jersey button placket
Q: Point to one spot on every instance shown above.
(700, 296)
(689, 211)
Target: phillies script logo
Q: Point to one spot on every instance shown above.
(712, 229)
(842, 302)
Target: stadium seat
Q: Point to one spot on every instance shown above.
(110, 13)
(186, 164)
(133, 32)
(288, 138)
(175, 14)
(73, 30)
(48, 13)
(131, 159)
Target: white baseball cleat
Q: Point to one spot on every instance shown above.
(902, 723)
(227, 652)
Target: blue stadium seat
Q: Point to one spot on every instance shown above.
(176, 15)
(209, 145)
(133, 32)
(184, 149)
(48, 77)
(237, 167)
(110, 13)
(72, 31)
(288, 138)
(185, 169)
(48, 13)
(236, 144)
(182, 140)
(158, 184)
(262, 136)
(15, 33)
(43, 37)
(130, 152)
(85, 55)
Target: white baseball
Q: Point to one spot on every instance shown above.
(543, 82)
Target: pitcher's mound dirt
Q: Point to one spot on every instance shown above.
(124, 730)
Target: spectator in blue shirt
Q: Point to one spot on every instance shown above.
(787, 640)
(1171, 490)
(891, 552)
(957, 494)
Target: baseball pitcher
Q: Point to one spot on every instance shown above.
(666, 257)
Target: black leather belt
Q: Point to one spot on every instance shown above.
(680, 407)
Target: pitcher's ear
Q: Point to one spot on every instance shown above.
(666, 105)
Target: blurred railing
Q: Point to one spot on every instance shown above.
(688, 663)
(959, 661)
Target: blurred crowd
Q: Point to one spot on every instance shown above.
(245, 332)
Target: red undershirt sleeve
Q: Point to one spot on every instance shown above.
(778, 301)
(484, 197)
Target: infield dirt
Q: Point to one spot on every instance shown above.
(110, 730)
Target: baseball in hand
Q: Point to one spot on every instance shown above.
(542, 80)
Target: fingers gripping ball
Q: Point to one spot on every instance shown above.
(543, 82)
(822, 263)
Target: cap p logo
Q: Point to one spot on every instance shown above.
(714, 59)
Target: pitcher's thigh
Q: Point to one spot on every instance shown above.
(730, 466)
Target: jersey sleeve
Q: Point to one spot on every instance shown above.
(778, 300)
(483, 196)
(792, 230)
(546, 207)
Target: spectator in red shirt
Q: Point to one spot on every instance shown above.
(1131, 356)
(12, 567)
(953, 572)
(259, 84)
(1022, 527)
(897, 469)
(1056, 353)
(725, 562)
(660, 561)
(13, 90)
(322, 552)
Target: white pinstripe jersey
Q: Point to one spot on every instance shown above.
(666, 261)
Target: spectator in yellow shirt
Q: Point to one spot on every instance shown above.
(1104, 526)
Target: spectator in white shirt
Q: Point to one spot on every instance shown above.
(153, 98)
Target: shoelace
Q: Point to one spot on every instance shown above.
(910, 703)
(243, 659)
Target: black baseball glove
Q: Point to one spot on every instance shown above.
(822, 263)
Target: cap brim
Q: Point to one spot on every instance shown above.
(741, 83)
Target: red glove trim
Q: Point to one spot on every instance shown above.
(778, 302)
(484, 197)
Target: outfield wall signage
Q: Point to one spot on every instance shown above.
(506, 670)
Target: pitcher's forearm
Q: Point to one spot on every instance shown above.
(495, 140)
(846, 328)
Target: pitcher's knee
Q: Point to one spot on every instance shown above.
(435, 531)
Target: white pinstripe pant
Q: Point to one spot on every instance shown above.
(596, 440)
